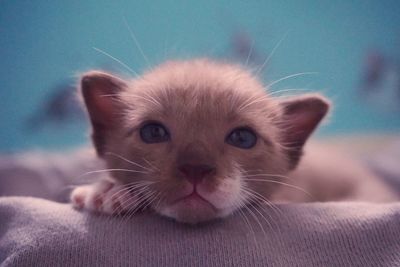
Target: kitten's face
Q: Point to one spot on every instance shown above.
(201, 135)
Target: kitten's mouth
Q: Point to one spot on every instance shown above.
(194, 197)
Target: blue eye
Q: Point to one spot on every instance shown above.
(154, 133)
(242, 138)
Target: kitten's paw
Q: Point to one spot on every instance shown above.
(103, 197)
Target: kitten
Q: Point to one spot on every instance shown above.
(196, 140)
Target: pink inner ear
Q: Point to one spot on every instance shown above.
(103, 108)
(100, 91)
(301, 116)
(303, 123)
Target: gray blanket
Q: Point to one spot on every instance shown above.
(37, 232)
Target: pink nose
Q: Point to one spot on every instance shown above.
(195, 173)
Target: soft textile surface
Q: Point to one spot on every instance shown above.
(47, 175)
(35, 232)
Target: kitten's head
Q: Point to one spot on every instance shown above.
(200, 138)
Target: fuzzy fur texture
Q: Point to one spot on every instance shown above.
(199, 102)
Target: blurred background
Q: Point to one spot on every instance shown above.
(352, 48)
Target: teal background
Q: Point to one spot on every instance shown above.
(45, 42)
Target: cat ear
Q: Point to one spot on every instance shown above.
(100, 92)
(301, 115)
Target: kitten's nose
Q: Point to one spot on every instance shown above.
(195, 173)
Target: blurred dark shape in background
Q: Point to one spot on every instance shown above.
(380, 81)
(244, 48)
(374, 68)
(59, 107)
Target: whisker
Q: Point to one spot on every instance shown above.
(248, 101)
(135, 202)
(275, 223)
(145, 198)
(150, 164)
(136, 42)
(268, 175)
(270, 54)
(146, 195)
(124, 191)
(117, 60)
(262, 215)
(290, 76)
(152, 98)
(263, 199)
(270, 204)
(116, 99)
(137, 195)
(281, 183)
(255, 218)
(161, 198)
(156, 103)
(142, 193)
(253, 102)
(287, 90)
(250, 53)
(125, 159)
(129, 187)
(108, 170)
(152, 200)
(247, 222)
